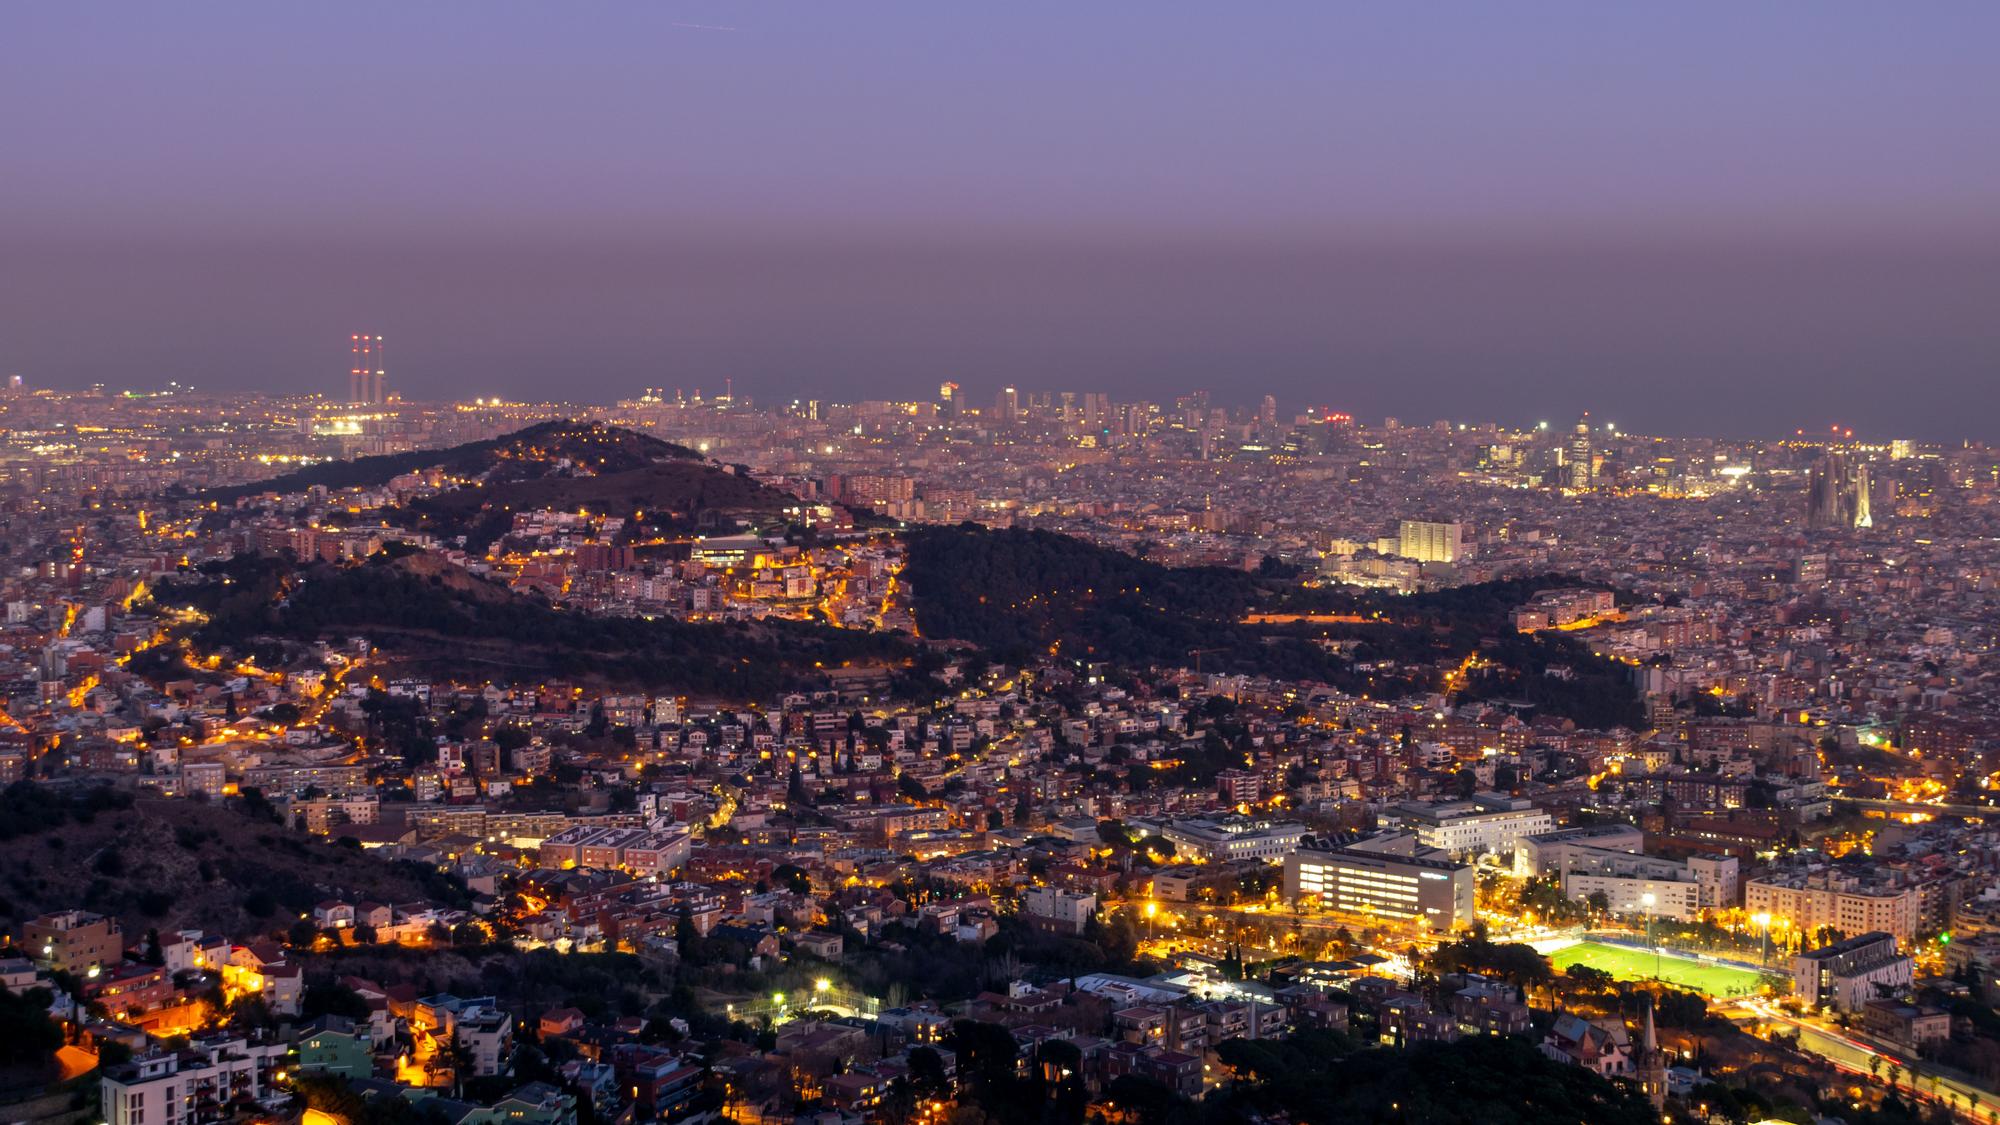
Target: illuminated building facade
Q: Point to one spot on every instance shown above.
(1383, 878)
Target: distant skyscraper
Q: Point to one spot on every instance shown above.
(1008, 405)
(1837, 493)
(949, 400)
(1267, 416)
(1577, 467)
(367, 373)
(16, 385)
(1096, 410)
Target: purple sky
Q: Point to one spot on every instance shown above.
(1735, 217)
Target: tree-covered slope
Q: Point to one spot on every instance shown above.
(1019, 593)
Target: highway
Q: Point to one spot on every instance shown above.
(1853, 1055)
(1916, 807)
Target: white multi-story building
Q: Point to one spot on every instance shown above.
(1607, 859)
(1228, 839)
(1057, 909)
(1389, 877)
(1846, 975)
(1488, 823)
(487, 1038)
(1432, 542)
(1551, 853)
(478, 1026)
(1663, 898)
(190, 1087)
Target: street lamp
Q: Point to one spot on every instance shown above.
(1763, 921)
(1647, 900)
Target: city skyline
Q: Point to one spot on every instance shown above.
(1724, 222)
(1141, 562)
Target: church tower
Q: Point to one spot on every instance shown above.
(1651, 1064)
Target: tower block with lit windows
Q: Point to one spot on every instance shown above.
(367, 373)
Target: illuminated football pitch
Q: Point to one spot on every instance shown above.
(1625, 963)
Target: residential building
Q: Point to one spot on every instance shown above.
(74, 941)
(1849, 903)
(1053, 908)
(1846, 975)
(201, 1084)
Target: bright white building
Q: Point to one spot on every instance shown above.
(1228, 839)
(1488, 823)
(192, 1086)
(1846, 975)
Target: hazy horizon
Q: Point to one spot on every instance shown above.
(1726, 219)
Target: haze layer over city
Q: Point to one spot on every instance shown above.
(1732, 223)
(1120, 564)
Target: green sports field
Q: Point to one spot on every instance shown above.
(1623, 963)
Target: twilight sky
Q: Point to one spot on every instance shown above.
(1733, 217)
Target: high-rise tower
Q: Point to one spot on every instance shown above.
(1577, 467)
(367, 373)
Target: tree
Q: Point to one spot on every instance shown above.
(1590, 979)
(331, 998)
(1312, 1077)
(27, 1035)
(985, 1048)
(1144, 1101)
(1467, 783)
(927, 1073)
